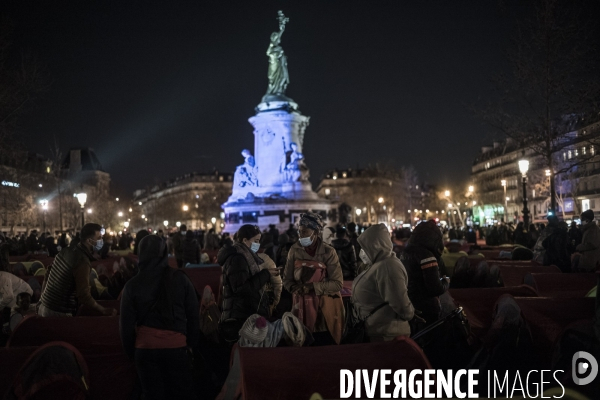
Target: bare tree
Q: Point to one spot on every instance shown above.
(553, 88)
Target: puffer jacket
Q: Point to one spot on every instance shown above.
(384, 281)
(347, 256)
(243, 293)
(589, 247)
(422, 259)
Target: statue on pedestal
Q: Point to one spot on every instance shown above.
(293, 167)
(278, 71)
(245, 174)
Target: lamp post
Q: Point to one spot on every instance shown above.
(524, 167)
(81, 198)
(44, 204)
(166, 223)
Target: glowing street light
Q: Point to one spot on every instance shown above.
(143, 216)
(82, 198)
(524, 167)
(120, 214)
(185, 207)
(166, 223)
(140, 203)
(548, 172)
(178, 224)
(471, 189)
(380, 200)
(447, 193)
(89, 210)
(213, 220)
(126, 224)
(358, 212)
(130, 209)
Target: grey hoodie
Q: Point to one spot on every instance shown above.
(384, 281)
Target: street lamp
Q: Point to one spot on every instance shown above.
(89, 210)
(471, 189)
(166, 223)
(178, 224)
(524, 167)
(81, 198)
(447, 193)
(120, 214)
(358, 212)
(126, 224)
(380, 200)
(185, 208)
(213, 220)
(503, 182)
(44, 204)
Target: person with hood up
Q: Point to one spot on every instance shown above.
(159, 323)
(590, 244)
(423, 262)
(383, 282)
(346, 254)
(243, 282)
(314, 277)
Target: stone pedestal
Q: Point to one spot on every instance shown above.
(276, 198)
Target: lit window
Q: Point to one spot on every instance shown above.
(327, 192)
(592, 150)
(570, 154)
(564, 156)
(585, 205)
(345, 175)
(583, 150)
(576, 153)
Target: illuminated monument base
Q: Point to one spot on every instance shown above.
(272, 186)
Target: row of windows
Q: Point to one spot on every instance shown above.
(567, 155)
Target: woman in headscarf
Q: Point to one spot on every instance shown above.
(160, 323)
(243, 282)
(314, 277)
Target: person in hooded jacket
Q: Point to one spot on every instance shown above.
(159, 323)
(383, 282)
(423, 262)
(345, 252)
(243, 282)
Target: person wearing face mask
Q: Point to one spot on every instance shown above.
(588, 251)
(314, 277)
(66, 284)
(384, 282)
(423, 262)
(243, 282)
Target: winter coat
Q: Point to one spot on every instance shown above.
(422, 259)
(177, 240)
(347, 256)
(556, 250)
(589, 247)
(243, 293)
(384, 281)
(158, 297)
(190, 251)
(326, 254)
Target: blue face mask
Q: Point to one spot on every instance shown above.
(254, 247)
(99, 244)
(306, 241)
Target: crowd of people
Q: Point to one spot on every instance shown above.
(278, 288)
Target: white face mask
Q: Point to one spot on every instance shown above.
(255, 247)
(364, 257)
(99, 244)
(306, 241)
(183, 233)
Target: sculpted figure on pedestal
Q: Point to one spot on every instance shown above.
(245, 174)
(278, 71)
(293, 167)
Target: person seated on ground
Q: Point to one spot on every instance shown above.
(243, 282)
(423, 262)
(191, 249)
(159, 323)
(345, 252)
(383, 282)
(22, 308)
(275, 287)
(10, 288)
(589, 250)
(556, 245)
(66, 283)
(314, 277)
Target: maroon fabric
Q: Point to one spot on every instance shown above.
(346, 289)
(81, 332)
(546, 318)
(478, 304)
(563, 285)
(298, 372)
(90, 312)
(112, 373)
(203, 276)
(512, 275)
(50, 373)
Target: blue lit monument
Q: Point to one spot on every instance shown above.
(271, 186)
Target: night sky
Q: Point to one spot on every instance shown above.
(160, 89)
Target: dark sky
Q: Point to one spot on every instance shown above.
(160, 89)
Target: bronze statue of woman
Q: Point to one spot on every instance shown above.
(278, 71)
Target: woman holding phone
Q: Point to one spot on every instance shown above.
(243, 282)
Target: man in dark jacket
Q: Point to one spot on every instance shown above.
(422, 259)
(346, 254)
(178, 238)
(32, 242)
(556, 246)
(191, 249)
(159, 323)
(353, 238)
